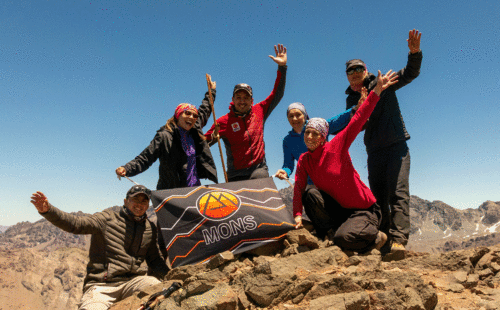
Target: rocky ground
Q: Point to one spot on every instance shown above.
(453, 262)
(300, 272)
(309, 274)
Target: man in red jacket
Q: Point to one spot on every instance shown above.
(242, 129)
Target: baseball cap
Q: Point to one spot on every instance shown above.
(244, 87)
(138, 189)
(354, 63)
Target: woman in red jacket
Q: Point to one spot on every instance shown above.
(348, 206)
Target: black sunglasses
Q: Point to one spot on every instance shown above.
(356, 69)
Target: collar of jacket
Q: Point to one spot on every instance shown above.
(369, 83)
(318, 152)
(294, 134)
(232, 111)
(132, 217)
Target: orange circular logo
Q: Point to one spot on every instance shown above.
(218, 205)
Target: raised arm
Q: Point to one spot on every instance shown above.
(412, 69)
(205, 109)
(279, 85)
(65, 221)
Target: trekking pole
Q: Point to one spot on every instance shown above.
(157, 297)
(287, 179)
(126, 177)
(211, 100)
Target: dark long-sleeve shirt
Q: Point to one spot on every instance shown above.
(386, 125)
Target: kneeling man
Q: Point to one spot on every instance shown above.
(121, 241)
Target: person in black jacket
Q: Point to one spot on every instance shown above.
(184, 155)
(385, 141)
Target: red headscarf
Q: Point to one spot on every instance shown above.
(184, 107)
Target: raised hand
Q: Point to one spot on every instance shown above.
(40, 202)
(385, 81)
(414, 41)
(211, 83)
(364, 94)
(280, 58)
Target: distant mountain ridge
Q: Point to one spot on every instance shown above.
(435, 227)
(438, 227)
(41, 235)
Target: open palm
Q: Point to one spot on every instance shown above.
(40, 202)
(385, 81)
(280, 58)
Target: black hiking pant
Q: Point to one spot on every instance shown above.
(258, 171)
(355, 229)
(388, 174)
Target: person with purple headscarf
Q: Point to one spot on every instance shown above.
(293, 142)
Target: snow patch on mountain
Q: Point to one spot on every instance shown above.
(493, 228)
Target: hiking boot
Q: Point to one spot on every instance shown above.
(381, 240)
(396, 247)
(398, 252)
(327, 242)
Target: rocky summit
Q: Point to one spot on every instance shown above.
(452, 262)
(298, 272)
(306, 273)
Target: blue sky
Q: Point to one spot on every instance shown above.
(84, 85)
